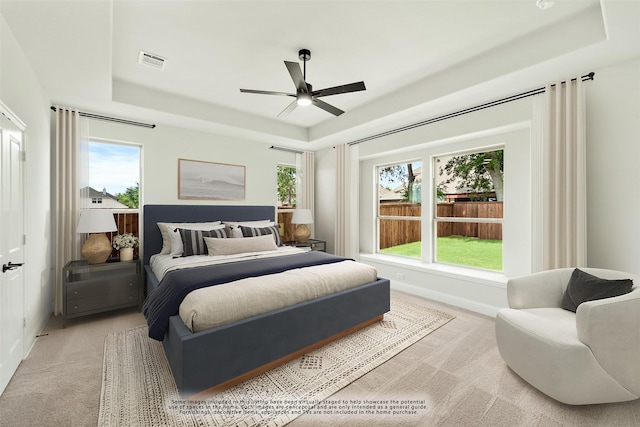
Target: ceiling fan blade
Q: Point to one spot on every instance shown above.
(351, 87)
(327, 107)
(266, 92)
(289, 109)
(296, 76)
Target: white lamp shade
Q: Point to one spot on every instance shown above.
(302, 216)
(96, 221)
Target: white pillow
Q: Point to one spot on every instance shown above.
(237, 246)
(235, 226)
(167, 227)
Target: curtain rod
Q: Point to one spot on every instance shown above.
(465, 111)
(111, 119)
(273, 147)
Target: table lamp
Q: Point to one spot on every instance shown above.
(302, 217)
(96, 222)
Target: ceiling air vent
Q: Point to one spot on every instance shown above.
(151, 60)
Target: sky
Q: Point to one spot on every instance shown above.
(387, 182)
(113, 166)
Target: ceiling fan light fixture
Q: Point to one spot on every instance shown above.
(303, 99)
(544, 4)
(305, 95)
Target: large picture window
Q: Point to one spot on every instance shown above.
(468, 211)
(400, 209)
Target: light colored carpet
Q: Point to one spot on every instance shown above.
(457, 369)
(138, 388)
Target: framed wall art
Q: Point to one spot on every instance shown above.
(207, 180)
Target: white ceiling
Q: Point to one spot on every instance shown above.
(417, 58)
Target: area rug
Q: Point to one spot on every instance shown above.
(138, 388)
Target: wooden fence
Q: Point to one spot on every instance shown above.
(470, 229)
(287, 229)
(399, 232)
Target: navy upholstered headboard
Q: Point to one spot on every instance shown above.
(152, 214)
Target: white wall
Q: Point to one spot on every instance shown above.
(164, 145)
(21, 92)
(613, 172)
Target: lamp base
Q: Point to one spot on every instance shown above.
(97, 248)
(302, 233)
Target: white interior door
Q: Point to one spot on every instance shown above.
(11, 249)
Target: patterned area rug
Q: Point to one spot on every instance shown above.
(138, 388)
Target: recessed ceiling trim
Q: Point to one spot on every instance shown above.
(151, 60)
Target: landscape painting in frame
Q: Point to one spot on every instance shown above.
(207, 180)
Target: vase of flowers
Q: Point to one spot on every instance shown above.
(125, 244)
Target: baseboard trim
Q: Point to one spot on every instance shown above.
(486, 309)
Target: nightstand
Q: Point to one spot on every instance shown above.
(314, 244)
(94, 288)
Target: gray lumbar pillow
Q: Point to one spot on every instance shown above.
(584, 287)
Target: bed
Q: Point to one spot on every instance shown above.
(214, 359)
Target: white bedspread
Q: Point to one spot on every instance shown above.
(218, 305)
(162, 264)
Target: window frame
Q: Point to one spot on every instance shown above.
(380, 217)
(435, 219)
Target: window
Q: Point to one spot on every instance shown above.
(468, 211)
(114, 176)
(286, 186)
(399, 209)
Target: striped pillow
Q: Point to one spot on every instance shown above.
(262, 231)
(193, 240)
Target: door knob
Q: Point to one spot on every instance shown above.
(11, 266)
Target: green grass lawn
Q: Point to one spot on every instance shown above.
(458, 250)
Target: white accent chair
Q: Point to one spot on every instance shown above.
(591, 356)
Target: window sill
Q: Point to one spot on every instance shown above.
(486, 277)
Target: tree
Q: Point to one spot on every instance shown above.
(287, 185)
(479, 173)
(403, 173)
(130, 197)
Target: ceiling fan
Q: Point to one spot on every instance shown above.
(305, 95)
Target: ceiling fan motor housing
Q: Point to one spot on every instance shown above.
(304, 54)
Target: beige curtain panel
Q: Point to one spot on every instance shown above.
(347, 236)
(560, 178)
(71, 174)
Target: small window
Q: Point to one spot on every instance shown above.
(400, 209)
(469, 209)
(286, 186)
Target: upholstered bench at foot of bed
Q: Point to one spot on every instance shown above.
(224, 356)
